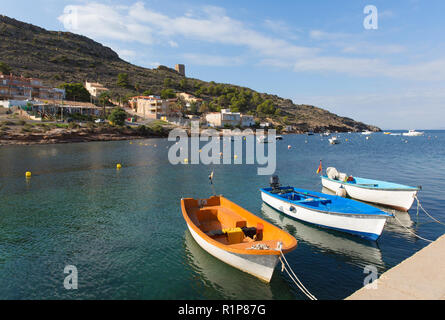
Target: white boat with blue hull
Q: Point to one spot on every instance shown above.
(327, 211)
(390, 194)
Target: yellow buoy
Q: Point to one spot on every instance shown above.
(236, 157)
(118, 166)
(28, 174)
(186, 160)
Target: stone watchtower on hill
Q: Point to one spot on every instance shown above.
(180, 68)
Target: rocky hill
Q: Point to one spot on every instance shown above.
(63, 57)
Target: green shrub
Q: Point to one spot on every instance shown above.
(168, 94)
(76, 92)
(73, 125)
(142, 130)
(7, 123)
(4, 68)
(118, 116)
(267, 107)
(122, 80)
(157, 129)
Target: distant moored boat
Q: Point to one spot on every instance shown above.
(413, 133)
(263, 139)
(334, 140)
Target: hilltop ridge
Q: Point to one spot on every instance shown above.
(61, 57)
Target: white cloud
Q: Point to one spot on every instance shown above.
(282, 29)
(352, 66)
(99, 21)
(137, 23)
(126, 54)
(140, 24)
(212, 60)
(363, 67)
(372, 48)
(322, 35)
(173, 44)
(386, 14)
(153, 64)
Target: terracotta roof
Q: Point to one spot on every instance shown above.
(68, 103)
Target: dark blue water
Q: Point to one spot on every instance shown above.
(124, 230)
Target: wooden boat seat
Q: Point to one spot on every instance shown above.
(216, 218)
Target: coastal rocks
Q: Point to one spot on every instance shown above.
(69, 136)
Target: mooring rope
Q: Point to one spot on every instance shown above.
(397, 219)
(423, 209)
(294, 278)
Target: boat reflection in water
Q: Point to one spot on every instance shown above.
(230, 282)
(357, 251)
(403, 225)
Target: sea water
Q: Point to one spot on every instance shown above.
(124, 232)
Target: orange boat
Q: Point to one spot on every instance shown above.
(236, 236)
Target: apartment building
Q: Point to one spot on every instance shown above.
(227, 118)
(152, 107)
(21, 88)
(247, 120)
(223, 118)
(95, 88)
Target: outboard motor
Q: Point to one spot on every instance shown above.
(274, 183)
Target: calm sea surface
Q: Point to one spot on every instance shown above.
(124, 230)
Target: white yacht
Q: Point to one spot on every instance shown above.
(413, 133)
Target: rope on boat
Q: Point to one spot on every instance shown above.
(397, 219)
(421, 207)
(259, 246)
(293, 276)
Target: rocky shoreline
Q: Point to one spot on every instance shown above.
(20, 132)
(18, 136)
(70, 136)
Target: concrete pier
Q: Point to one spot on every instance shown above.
(420, 277)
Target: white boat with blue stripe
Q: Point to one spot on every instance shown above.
(327, 211)
(397, 196)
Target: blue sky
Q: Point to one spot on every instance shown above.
(313, 52)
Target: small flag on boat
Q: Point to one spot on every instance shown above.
(319, 168)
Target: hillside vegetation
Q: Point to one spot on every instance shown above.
(62, 57)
